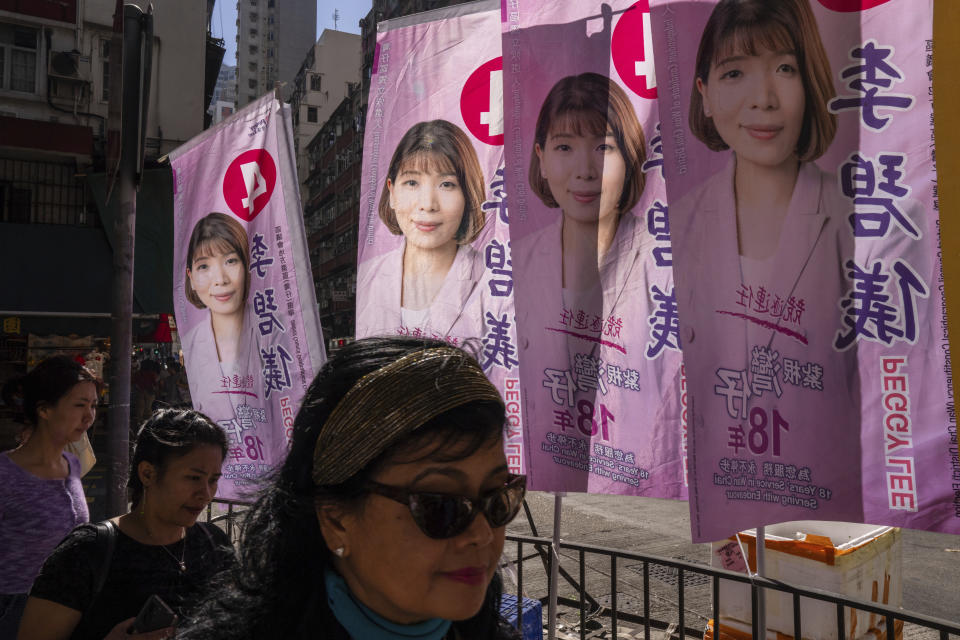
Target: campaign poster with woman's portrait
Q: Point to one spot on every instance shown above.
(596, 316)
(798, 143)
(434, 256)
(243, 291)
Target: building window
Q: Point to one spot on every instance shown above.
(18, 58)
(269, 53)
(254, 50)
(251, 98)
(315, 82)
(42, 192)
(105, 70)
(252, 83)
(254, 17)
(253, 67)
(253, 33)
(311, 114)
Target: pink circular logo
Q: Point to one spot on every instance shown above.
(481, 102)
(849, 6)
(632, 50)
(249, 182)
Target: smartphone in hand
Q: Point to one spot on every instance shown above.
(154, 615)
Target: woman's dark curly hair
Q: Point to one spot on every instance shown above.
(277, 588)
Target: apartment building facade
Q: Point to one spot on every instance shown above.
(272, 36)
(55, 72)
(331, 67)
(224, 101)
(331, 209)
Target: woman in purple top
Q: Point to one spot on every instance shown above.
(41, 498)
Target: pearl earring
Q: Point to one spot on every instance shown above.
(338, 552)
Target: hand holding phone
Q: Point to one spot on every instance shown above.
(154, 615)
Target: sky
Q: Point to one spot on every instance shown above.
(224, 21)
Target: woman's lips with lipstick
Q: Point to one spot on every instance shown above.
(585, 197)
(467, 575)
(223, 297)
(763, 132)
(425, 226)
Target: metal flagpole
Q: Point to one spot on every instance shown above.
(762, 572)
(554, 569)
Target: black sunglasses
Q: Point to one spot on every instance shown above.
(444, 515)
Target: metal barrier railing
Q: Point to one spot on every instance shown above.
(229, 512)
(892, 617)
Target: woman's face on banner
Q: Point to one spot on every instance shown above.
(428, 204)
(585, 173)
(218, 280)
(757, 105)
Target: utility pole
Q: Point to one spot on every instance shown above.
(336, 18)
(137, 51)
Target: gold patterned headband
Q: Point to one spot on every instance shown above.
(392, 401)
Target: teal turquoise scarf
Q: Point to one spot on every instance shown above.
(363, 624)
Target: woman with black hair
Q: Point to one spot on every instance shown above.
(85, 591)
(41, 498)
(387, 518)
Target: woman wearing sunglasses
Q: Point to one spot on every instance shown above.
(387, 518)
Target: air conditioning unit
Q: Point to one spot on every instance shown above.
(68, 65)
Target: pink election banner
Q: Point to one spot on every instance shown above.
(602, 381)
(434, 256)
(798, 146)
(243, 290)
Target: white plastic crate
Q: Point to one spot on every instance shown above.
(860, 561)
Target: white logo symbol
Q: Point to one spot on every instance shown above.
(494, 117)
(645, 68)
(254, 183)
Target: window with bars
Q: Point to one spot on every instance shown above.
(315, 82)
(42, 193)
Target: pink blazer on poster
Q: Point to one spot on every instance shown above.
(815, 241)
(205, 374)
(455, 312)
(626, 274)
